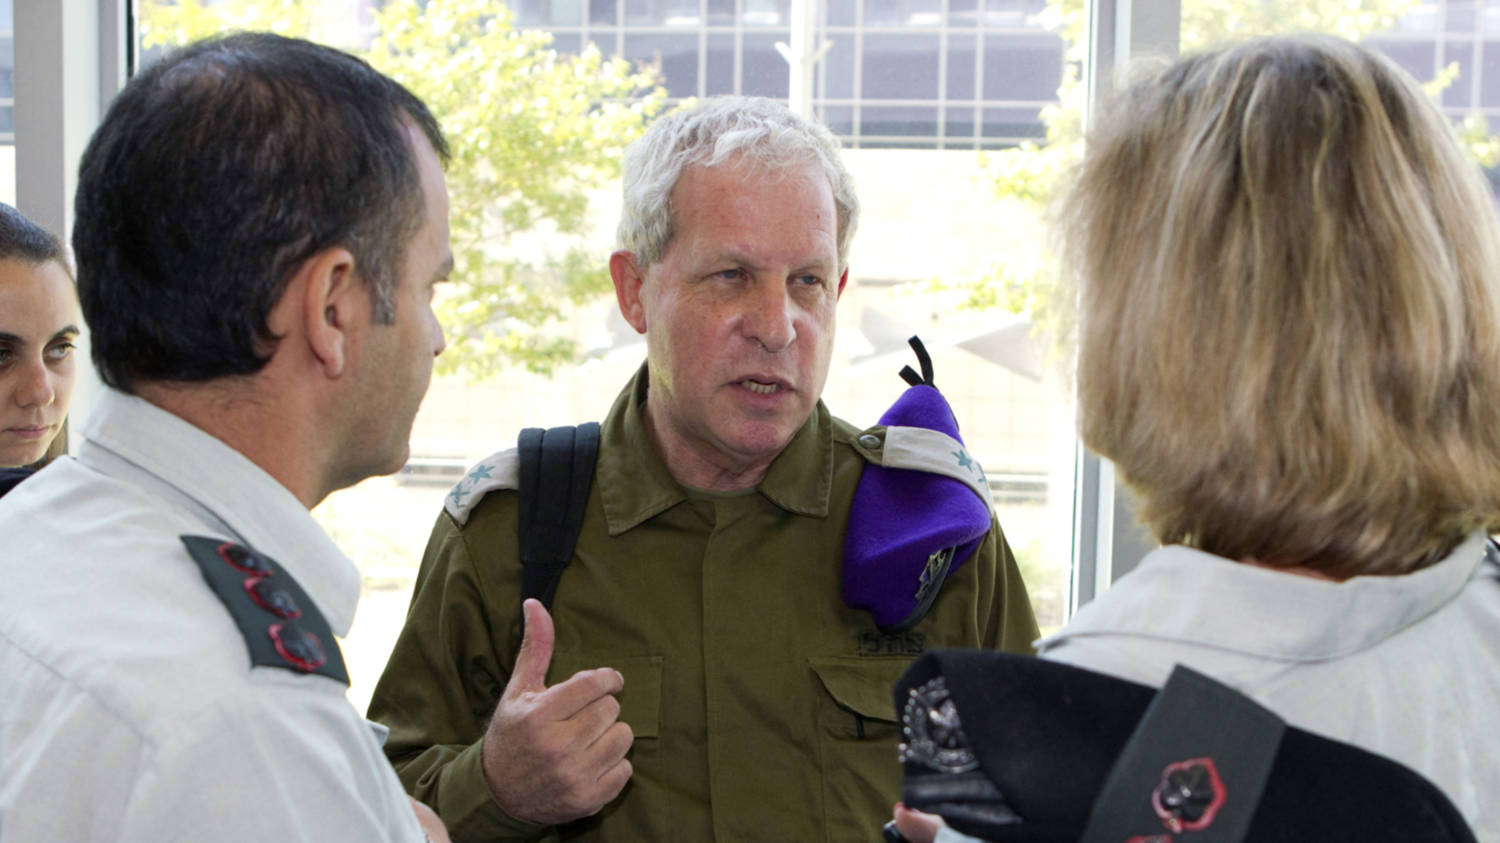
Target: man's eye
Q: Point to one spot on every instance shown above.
(808, 280)
(730, 274)
(60, 351)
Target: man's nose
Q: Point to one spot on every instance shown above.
(768, 319)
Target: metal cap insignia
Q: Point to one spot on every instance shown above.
(932, 734)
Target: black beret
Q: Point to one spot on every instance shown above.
(1014, 748)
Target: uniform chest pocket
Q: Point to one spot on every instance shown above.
(857, 737)
(640, 702)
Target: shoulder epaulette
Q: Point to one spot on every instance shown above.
(924, 449)
(281, 624)
(500, 470)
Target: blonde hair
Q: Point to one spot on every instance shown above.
(1288, 309)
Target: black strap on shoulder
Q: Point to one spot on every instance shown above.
(557, 469)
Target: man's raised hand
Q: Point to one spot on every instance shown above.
(555, 754)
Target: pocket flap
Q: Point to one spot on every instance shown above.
(640, 702)
(861, 684)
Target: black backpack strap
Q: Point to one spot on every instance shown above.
(556, 471)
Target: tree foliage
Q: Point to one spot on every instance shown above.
(1033, 172)
(533, 133)
(165, 23)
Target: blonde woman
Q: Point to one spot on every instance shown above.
(1290, 348)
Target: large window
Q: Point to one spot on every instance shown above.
(914, 87)
(964, 74)
(903, 78)
(7, 103)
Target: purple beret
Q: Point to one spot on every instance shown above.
(909, 528)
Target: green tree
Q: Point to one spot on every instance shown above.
(171, 23)
(1033, 172)
(533, 133)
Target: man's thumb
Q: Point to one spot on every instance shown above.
(535, 655)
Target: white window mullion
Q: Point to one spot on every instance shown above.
(1107, 542)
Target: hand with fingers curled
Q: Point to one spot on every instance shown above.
(552, 755)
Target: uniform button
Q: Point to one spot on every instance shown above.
(243, 558)
(300, 648)
(870, 440)
(273, 598)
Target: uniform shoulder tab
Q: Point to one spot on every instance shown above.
(500, 470)
(281, 623)
(932, 451)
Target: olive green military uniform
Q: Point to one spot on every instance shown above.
(761, 704)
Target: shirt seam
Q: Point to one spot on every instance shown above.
(115, 713)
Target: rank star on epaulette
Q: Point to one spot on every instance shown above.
(280, 623)
(1189, 795)
(933, 735)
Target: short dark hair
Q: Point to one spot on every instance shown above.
(23, 239)
(217, 171)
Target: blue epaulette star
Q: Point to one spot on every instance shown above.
(480, 472)
(963, 459)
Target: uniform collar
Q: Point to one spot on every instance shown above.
(1184, 594)
(635, 484)
(131, 439)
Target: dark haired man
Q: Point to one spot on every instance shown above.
(260, 223)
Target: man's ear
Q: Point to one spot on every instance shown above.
(327, 300)
(626, 273)
(843, 279)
